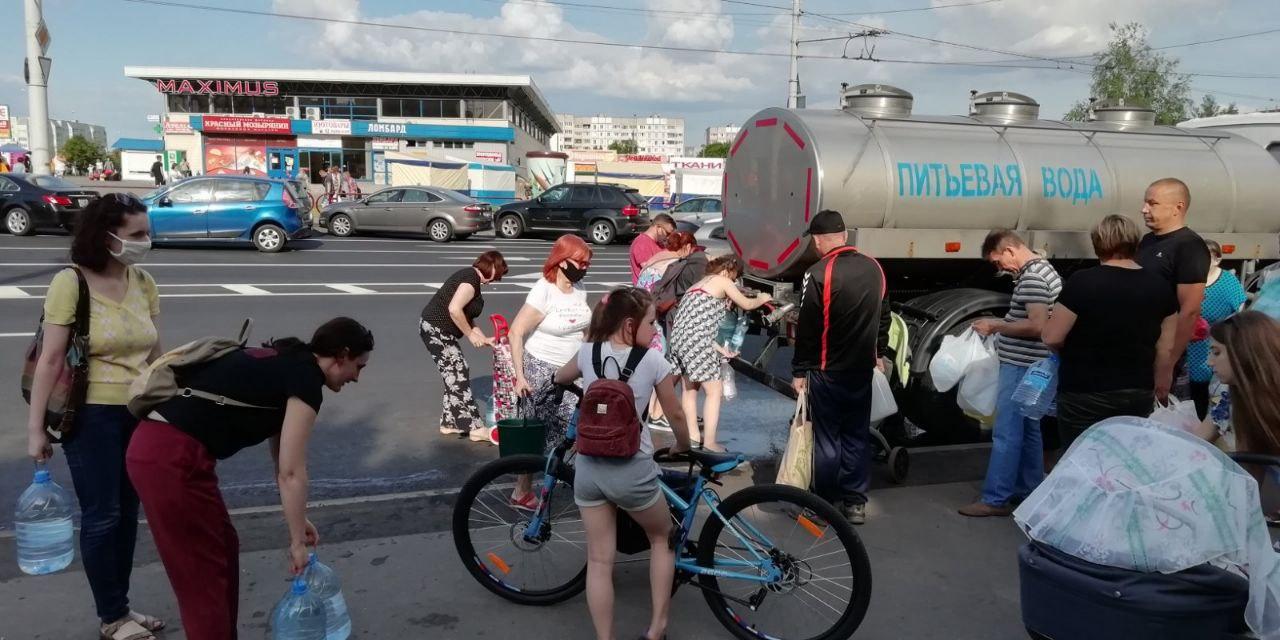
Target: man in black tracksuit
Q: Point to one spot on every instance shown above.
(843, 330)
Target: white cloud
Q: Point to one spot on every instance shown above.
(603, 71)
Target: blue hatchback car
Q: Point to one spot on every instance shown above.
(266, 212)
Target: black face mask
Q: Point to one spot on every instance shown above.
(574, 273)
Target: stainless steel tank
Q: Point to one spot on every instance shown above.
(1000, 166)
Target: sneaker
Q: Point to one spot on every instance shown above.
(855, 513)
(661, 424)
(451, 431)
(479, 434)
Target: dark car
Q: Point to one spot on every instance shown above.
(603, 212)
(29, 202)
(442, 214)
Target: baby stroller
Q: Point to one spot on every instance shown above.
(1064, 597)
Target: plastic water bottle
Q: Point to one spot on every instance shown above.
(299, 616)
(739, 333)
(324, 583)
(1038, 390)
(42, 521)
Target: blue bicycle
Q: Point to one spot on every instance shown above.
(771, 560)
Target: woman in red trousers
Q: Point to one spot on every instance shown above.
(172, 456)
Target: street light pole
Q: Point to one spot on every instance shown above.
(37, 89)
(793, 79)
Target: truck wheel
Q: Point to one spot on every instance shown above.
(510, 227)
(602, 232)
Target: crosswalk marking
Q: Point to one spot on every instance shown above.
(13, 292)
(246, 289)
(351, 288)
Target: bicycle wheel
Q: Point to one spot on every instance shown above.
(489, 535)
(823, 583)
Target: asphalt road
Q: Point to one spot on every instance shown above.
(377, 437)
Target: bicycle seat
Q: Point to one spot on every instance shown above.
(718, 462)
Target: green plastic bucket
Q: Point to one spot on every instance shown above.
(518, 436)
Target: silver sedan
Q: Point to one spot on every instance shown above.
(442, 214)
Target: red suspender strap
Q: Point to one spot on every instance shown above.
(826, 300)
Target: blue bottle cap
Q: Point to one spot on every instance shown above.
(42, 476)
(311, 559)
(299, 586)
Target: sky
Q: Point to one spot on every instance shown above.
(93, 40)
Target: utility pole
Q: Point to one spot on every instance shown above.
(793, 80)
(37, 74)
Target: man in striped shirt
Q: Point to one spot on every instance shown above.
(1017, 462)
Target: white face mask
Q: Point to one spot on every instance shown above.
(131, 251)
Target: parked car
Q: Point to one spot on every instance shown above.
(713, 239)
(29, 202)
(234, 208)
(604, 212)
(443, 214)
(692, 214)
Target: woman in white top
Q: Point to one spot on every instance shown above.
(546, 334)
(623, 321)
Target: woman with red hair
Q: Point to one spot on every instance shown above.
(546, 334)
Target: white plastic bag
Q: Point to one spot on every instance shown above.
(730, 382)
(978, 387)
(1179, 414)
(954, 356)
(882, 403)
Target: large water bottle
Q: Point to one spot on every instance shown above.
(1038, 390)
(43, 524)
(739, 333)
(324, 583)
(299, 616)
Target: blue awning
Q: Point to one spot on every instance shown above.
(138, 144)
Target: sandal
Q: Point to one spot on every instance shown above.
(150, 623)
(125, 629)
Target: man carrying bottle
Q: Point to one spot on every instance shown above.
(1017, 457)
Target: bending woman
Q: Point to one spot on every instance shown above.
(173, 457)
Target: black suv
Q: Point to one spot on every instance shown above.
(601, 211)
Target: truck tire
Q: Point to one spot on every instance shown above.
(932, 317)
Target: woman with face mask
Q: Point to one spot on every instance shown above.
(546, 334)
(112, 236)
(449, 316)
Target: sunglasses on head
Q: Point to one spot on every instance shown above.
(127, 200)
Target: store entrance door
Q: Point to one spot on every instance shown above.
(282, 162)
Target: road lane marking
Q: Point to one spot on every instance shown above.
(13, 292)
(245, 289)
(351, 288)
(261, 265)
(29, 334)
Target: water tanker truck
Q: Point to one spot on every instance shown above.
(920, 193)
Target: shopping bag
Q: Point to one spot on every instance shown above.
(977, 395)
(1178, 414)
(882, 403)
(954, 356)
(727, 377)
(797, 463)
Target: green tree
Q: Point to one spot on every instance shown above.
(715, 150)
(624, 147)
(1209, 108)
(1129, 70)
(80, 152)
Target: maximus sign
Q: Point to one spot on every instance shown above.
(219, 87)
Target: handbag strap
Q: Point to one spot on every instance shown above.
(81, 326)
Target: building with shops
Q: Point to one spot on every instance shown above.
(60, 131)
(654, 135)
(136, 157)
(289, 122)
(725, 134)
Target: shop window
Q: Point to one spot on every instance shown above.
(223, 104)
(188, 104)
(484, 109)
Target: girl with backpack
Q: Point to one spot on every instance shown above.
(111, 237)
(173, 455)
(692, 345)
(622, 323)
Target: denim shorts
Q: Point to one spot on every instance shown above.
(630, 483)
